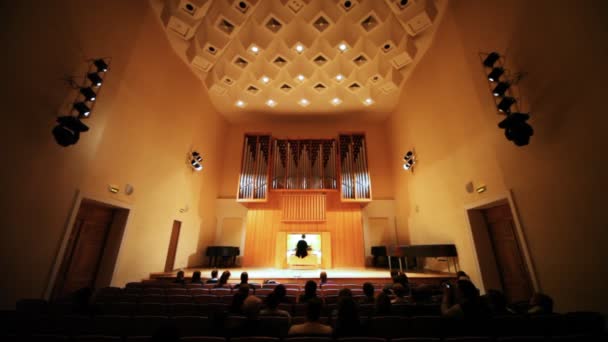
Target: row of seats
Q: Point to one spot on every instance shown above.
(389, 327)
(59, 338)
(202, 298)
(109, 292)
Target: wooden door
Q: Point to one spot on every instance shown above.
(509, 258)
(170, 263)
(85, 248)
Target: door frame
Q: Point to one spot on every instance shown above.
(476, 223)
(79, 197)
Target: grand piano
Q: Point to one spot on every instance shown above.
(422, 251)
(222, 255)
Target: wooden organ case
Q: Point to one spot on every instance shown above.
(304, 165)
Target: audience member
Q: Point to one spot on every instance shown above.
(196, 278)
(223, 281)
(251, 307)
(213, 279)
(238, 299)
(495, 303)
(244, 281)
(463, 302)
(312, 326)
(281, 292)
(347, 322)
(461, 275)
(422, 295)
(368, 291)
(404, 281)
(540, 303)
(165, 333)
(180, 278)
(322, 279)
(272, 304)
(399, 292)
(310, 291)
(383, 304)
(393, 274)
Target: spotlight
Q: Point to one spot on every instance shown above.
(196, 160)
(88, 94)
(101, 65)
(517, 129)
(505, 104)
(195, 165)
(409, 160)
(495, 74)
(95, 79)
(491, 59)
(68, 131)
(500, 89)
(82, 109)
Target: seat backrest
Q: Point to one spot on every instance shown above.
(192, 325)
(272, 326)
(147, 325)
(179, 299)
(176, 291)
(388, 327)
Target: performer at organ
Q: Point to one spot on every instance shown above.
(302, 247)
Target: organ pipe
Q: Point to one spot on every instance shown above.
(253, 180)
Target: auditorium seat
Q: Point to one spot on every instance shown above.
(510, 325)
(133, 290)
(581, 322)
(177, 291)
(263, 292)
(198, 291)
(388, 327)
(290, 299)
(425, 326)
(153, 291)
(329, 292)
(74, 325)
(111, 325)
(173, 285)
(221, 291)
(416, 339)
(193, 286)
(151, 309)
(299, 309)
(182, 309)
(147, 325)
(287, 307)
(204, 299)
(32, 306)
(179, 299)
(522, 339)
(235, 326)
(272, 326)
(331, 299)
(153, 299)
(131, 298)
(192, 325)
(469, 339)
(118, 308)
(255, 339)
(134, 284)
(308, 339)
(47, 338)
(203, 339)
(225, 299)
(361, 339)
(97, 338)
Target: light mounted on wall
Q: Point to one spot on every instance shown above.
(502, 83)
(409, 160)
(196, 161)
(69, 127)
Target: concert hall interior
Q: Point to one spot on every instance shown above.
(372, 130)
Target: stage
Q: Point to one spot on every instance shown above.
(335, 275)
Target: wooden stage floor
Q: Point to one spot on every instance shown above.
(336, 275)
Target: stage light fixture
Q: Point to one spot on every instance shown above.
(368, 101)
(101, 65)
(491, 59)
(95, 79)
(196, 160)
(88, 94)
(495, 74)
(517, 129)
(83, 110)
(504, 106)
(67, 132)
(500, 89)
(409, 160)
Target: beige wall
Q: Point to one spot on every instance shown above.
(558, 181)
(150, 113)
(377, 145)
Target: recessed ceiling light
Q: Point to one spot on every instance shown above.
(343, 47)
(240, 103)
(265, 79)
(254, 49)
(339, 77)
(304, 102)
(271, 103)
(299, 48)
(300, 78)
(336, 101)
(368, 101)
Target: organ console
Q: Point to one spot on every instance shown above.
(423, 251)
(224, 252)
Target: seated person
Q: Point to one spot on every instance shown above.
(312, 326)
(213, 279)
(368, 291)
(540, 303)
(302, 248)
(223, 281)
(422, 295)
(251, 307)
(272, 304)
(196, 278)
(238, 299)
(180, 278)
(281, 292)
(383, 305)
(347, 321)
(399, 292)
(245, 281)
(323, 279)
(495, 303)
(310, 292)
(464, 301)
(394, 280)
(461, 275)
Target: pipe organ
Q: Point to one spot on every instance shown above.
(253, 181)
(354, 175)
(304, 165)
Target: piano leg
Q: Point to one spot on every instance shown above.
(390, 268)
(400, 266)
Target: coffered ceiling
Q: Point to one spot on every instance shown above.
(291, 57)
